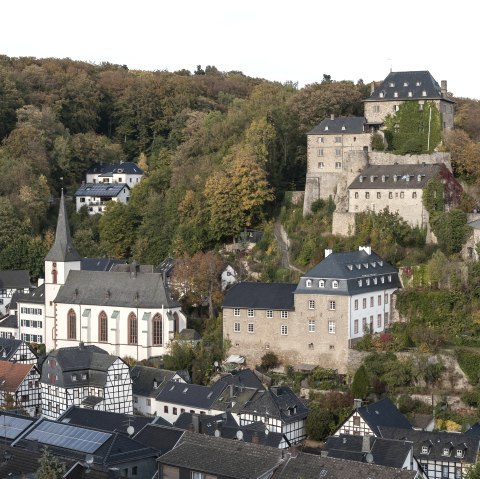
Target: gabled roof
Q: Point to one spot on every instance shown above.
(408, 86)
(14, 279)
(396, 177)
(342, 125)
(126, 167)
(277, 296)
(9, 346)
(104, 190)
(148, 381)
(385, 452)
(349, 268)
(190, 395)
(35, 296)
(309, 466)
(12, 375)
(103, 420)
(159, 437)
(70, 364)
(224, 425)
(223, 457)
(62, 249)
(279, 402)
(110, 288)
(100, 264)
(436, 442)
(383, 413)
(245, 378)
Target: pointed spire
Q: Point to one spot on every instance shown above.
(62, 249)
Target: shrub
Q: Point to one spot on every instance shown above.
(270, 361)
(469, 361)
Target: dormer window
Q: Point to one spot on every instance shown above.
(389, 278)
(84, 376)
(374, 280)
(381, 94)
(360, 283)
(74, 377)
(459, 453)
(380, 263)
(391, 84)
(321, 283)
(343, 127)
(418, 83)
(326, 128)
(405, 83)
(410, 94)
(367, 281)
(308, 283)
(382, 279)
(358, 266)
(424, 93)
(350, 266)
(446, 451)
(425, 449)
(334, 284)
(395, 94)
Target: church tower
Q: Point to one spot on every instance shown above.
(60, 260)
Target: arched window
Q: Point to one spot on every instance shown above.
(102, 327)
(132, 329)
(71, 325)
(157, 330)
(176, 320)
(54, 273)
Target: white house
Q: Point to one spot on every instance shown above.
(146, 385)
(20, 384)
(85, 376)
(31, 315)
(17, 351)
(95, 196)
(10, 282)
(228, 277)
(128, 313)
(126, 172)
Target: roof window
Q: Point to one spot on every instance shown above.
(344, 127)
(418, 83)
(381, 94)
(391, 84)
(326, 128)
(405, 83)
(395, 94)
(424, 93)
(410, 94)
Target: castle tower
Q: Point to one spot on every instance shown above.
(60, 260)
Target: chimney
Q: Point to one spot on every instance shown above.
(443, 87)
(366, 444)
(196, 423)
(357, 403)
(328, 252)
(372, 87)
(367, 249)
(332, 117)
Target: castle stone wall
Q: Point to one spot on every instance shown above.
(343, 223)
(382, 158)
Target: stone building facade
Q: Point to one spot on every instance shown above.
(316, 321)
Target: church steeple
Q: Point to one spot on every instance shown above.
(62, 249)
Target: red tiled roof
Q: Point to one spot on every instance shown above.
(12, 375)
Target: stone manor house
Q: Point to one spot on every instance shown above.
(317, 321)
(339, 149)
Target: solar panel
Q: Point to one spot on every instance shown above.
(69, 437)
(11, 427)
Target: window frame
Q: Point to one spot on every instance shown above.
(332, 327)
(103, 327)
(132, 328)
(284, 330)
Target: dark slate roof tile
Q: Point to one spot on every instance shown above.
(278, 296)
(15, 279)
(159, 437)
(35, 296)
(408, 86)
(9, 321)
(100, 264)
(105, 168)
(105, 190)
(342, 125)
(190, 395)
(148, 381)
(384, 177)
(8, 347)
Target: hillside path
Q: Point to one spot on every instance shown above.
(282, 240)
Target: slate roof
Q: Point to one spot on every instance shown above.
(110, 288)
(12, 375)
(9, 321)
(14, 279)
(8, 347)
(104, 190)
(309, 466)
(223, 457)
(474, 430)
(279, 402)
(190, 395)
(143, 379)
(383, 413)
(436, 442)
(62, 249)
(35, 296)
(159, 437)
(225, 425)
(99, 264)
(405, 83)
(23, 463)
(348, 269)
(342, 125)
(277, 296)
(71, 362)
(388, 177)
(385, 452)
(245, 378)
(104, 168)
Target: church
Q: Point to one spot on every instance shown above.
(127, 311)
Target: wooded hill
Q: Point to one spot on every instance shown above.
(219, 149)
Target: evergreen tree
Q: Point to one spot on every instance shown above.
(360, 383)
(50, 466)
